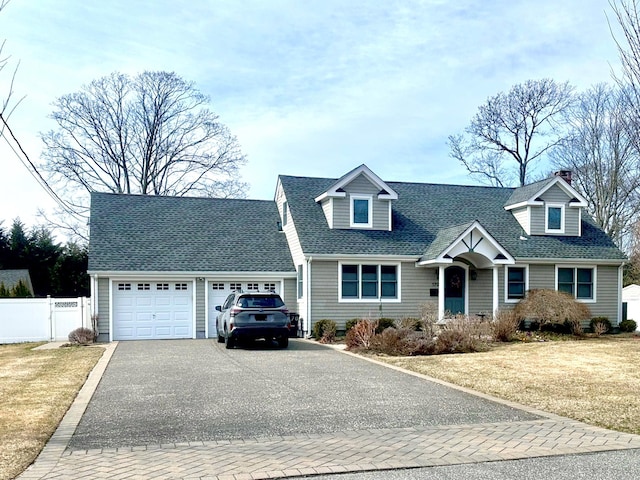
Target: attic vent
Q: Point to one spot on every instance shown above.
(574, 200)
(539, 200)
(340, 190)
(447, 256)
(383, 192)
(500, 257)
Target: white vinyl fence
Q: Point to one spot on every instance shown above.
(42, 319)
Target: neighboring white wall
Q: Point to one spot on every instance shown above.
(631, 295)
(42, 319)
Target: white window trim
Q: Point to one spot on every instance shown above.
(369, 199)
(506, 282)
(375, 301)
(300, 282)
(575, 280)
(285, 213)
(547, 206)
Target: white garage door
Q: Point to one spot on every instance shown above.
(152, 310)
(220, 290)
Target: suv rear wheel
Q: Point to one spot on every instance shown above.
(283, 342)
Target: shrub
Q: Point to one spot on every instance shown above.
(329, 334)
(504, 326)
(462, 334)
(628, 326)
(361, 334)
(82, 336)
(349, 324)
(600, 325)
(384, 323)
(404, 342)
(410, 323)
(550, 306)
(321, 325)
(429, 318)
(561, 328)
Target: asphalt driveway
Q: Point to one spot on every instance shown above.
(162, 392)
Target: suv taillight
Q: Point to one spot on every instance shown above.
(234, 311)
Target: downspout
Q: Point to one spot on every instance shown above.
(307, 331)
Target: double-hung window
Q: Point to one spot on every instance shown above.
(369, 282)
(577, 282)
(361, 211)
(516, 283)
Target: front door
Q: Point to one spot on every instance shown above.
(454, 290)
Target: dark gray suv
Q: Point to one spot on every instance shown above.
(253, 315)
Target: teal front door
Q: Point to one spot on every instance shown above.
(454, 290)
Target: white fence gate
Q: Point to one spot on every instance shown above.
(42, 319)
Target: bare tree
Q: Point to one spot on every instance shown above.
(7, 105)
(599, 150)
(149, 134)
(519, 127)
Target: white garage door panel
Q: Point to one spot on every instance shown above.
(219, 290)
(154, 312)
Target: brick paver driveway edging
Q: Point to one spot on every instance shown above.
(337, 450)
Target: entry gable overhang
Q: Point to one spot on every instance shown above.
(530, 194)
(469, 241)
(337, 189)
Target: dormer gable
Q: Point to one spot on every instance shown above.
(358, 200)
(549, 207)
(337, 190)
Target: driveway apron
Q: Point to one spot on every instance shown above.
(191, 409)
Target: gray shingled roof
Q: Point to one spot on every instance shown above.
(152, 233)
(423, 211)
(11, 277)
(524, 193)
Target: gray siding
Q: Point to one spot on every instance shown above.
(289, 295)
(201, 315)
(414, 290)
(571, 214)
(544, 276)
(103, 309)
(342, 206)
(341, 210)
(606, 294)
(481, 293)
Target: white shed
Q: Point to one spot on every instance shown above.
(631, 296)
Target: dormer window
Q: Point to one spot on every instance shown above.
(554, 218)
(361, 211)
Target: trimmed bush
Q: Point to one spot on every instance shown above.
(384, 323)
(600, 325)
(321, 325)
(628, 326)
(550, 306)
(504, 326)
(82, 336)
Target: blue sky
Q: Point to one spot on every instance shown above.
(309, 87)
